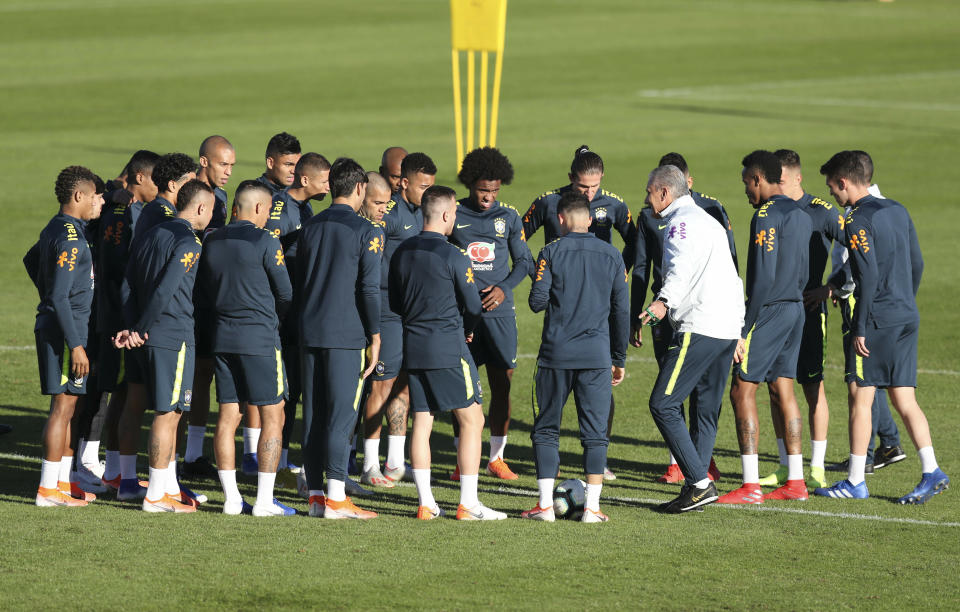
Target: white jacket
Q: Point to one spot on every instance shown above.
(703, 291)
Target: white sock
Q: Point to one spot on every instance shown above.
(497, 445)
(251, 438)
(928, 462)
(395, 451)
(157, 483)
(171, 486)
(795, 465)
(702, 484)
(284, 459)
(545, 485)
(673, 460)
(857, 465)
(335, 490)
(49, 474)
(195, 435)
(228, 480)
(128, 466)
(818, 452)
(782, 449)
(468, 490)
(81, 446)
(751, 469)
(112, 468)
(456, 442)
(265, 482)
(421, 478)
(371, 453)
(66, 464)
(593, 497)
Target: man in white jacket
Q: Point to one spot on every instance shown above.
(703, 297)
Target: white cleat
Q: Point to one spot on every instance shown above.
(593, 516)
(479, 513)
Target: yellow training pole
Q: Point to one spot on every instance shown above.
(471, 97)
(495, 104)
(457, 110)
(482, 140)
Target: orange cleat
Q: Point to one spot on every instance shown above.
(55, 497)
(593, 516)
(539, 514)
(427, 514)
(167, 503)
(499, 469)
(747, 494)
(73, 490)
(345, 510)
(318, 504)
(793, 490)
(712, 472)
(672, 475)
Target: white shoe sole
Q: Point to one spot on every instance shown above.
(268, 511)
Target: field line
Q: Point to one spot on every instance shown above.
(842, 515)
(17, 348)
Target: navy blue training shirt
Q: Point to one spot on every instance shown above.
(158, 287)
(493, 238)
(828, 222)
(244, 283)
(338, 279)
(779, 256)
(402, 220)
(154, 213)
(886, 263)
(113, 240)
(433, 288)
(581, 282)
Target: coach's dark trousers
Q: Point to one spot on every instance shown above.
(332, 382)
(693, 366)
(592, 392)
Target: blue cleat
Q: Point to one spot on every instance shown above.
(185, 493)
(233, 508)
(249, 465)
(130, 489)
(932, 483)
(843, 489)
(287, 510)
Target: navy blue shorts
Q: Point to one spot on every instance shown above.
(260, 380)
(445, 389)
(773, 345)
(495, 343)
(53, 357)
(391, 350)
(813, 346)
(168, 375)
(110, 370)
(893, 357)
(203, 336)
(133, 364)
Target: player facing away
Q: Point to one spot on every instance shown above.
(338, 304)
(827, 222)
(777, 268)
(390, 163)
(244, 286)
(172, 171)
(581, 283)
(607, 210)
(491, 233)
(887, 265)
(433, 289)
(217, 158)
(701, 297)
(389, 393)
(61, 267)
(158, 311)
(647, 271)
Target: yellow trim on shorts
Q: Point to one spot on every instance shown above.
(823, 335)
(65, 364)
(363, 366)
(746, 350)
(676, 368)
(279, 373)
(468, 379)
(178, 379)
(858, 359)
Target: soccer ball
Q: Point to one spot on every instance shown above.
(569, 498)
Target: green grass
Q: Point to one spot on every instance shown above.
(91, 82)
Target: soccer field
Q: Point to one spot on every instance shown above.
(88, 83)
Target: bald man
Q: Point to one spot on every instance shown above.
(217, 158)
(244, 282)
(390, 166)
(378, 196)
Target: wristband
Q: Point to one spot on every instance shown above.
(654, 320)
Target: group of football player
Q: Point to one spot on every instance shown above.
(384, 304)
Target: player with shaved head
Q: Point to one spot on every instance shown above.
(390, 166)
(377, 198)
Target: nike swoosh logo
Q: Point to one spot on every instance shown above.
(662, 226)
(463, 226)
(406, 227)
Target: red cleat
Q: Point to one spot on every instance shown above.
(73, 490)
(456, 474)
(712, 472)
(747, 494)
(794, 490)
(672, 475)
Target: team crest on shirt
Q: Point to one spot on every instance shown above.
(500, 225)
(600, 214)
(380, 368)
(187, 396)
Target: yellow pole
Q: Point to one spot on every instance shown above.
(495, 103)
(471, 97)
(482, 141)
(457, 110)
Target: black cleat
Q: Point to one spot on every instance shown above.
(691, 498)
(887, 455)
(844, 466)
(199, 469)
